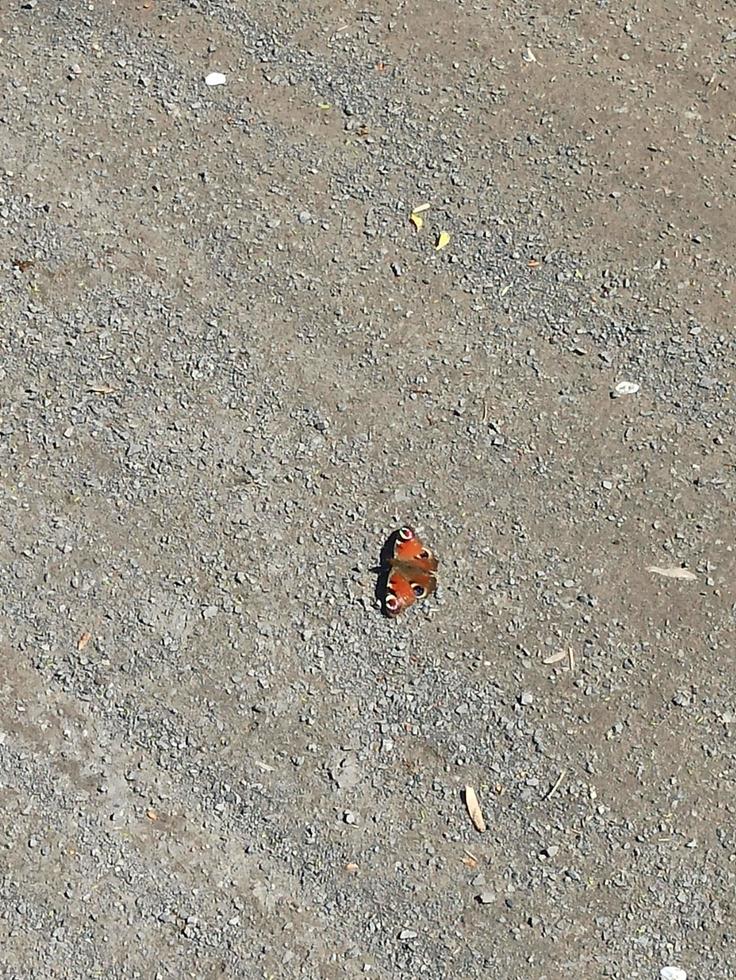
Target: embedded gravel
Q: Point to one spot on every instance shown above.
(231, 366)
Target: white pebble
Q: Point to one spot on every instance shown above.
(625, 388)
(672, 973)
(215, 78)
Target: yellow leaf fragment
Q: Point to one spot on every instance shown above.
(443, 241)
(476, 815)
(417, 220)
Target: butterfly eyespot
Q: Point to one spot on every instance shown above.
(424, 554)
(406, 534)
(418, 590)
(392, 603)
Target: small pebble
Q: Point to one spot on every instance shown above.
(625, 388)
(215, 78)
(487, 898)
(672, 973)
(526, 698)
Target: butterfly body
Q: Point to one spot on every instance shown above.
(410, 569)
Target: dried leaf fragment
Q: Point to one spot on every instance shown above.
(416, 215)
(556, 785)
(263, 766)
(675, 572)
(470, 860)
(555, 658)
(476, 815)
(83, 640)
(442, 241)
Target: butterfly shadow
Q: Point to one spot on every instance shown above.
(383, 569)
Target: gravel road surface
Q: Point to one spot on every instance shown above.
(232, 363)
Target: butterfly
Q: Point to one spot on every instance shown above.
(408, 570)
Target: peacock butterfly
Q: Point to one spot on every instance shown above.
(409, 571)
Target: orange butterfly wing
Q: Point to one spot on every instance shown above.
(412, 551)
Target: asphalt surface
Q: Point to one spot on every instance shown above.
(232, 365)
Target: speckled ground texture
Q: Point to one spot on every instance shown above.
(231, 366)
